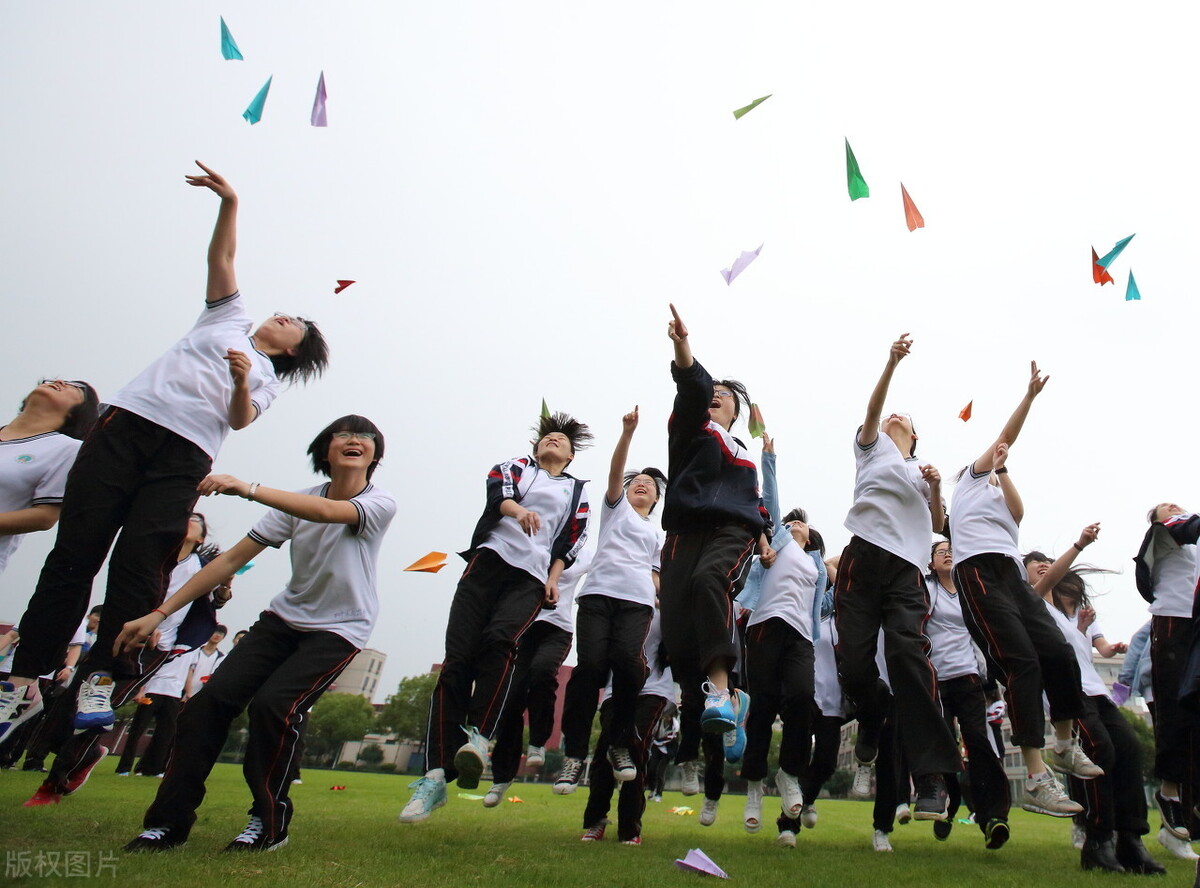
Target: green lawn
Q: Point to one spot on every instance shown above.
(351, 838)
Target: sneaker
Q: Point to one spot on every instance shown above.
(903, 814)
(754, 801)
(17, 706)
(1177, 846)
(1078, 835)
(708, 812)
(808, 817)
(94, 707)
(122, 773)
(535, 756)
(157, 838)
(735, 740)
(881, 842)
(1073, 761)
(83, 771)
(296, 782)
(861, 787)
(656, 798)
(46, 794)
(622, 764)
(719, 715)
(1173, 817)
(791, 798)
(568, 778)
(429, 796)
(933, 802)
(786, 839)
(689, 772)
(995, 834)
(636, 840)
(495, 794)
(594, 833)
(1043, 795)
(471, 759)
(254, 838)
(942, 828)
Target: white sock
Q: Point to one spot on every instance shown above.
(1062, 745)
(437, 774)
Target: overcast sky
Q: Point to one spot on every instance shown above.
(520, 189)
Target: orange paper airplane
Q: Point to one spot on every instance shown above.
(515, 800)
(912, 216)
(1100, 274)
(431, 563)
(965, 413)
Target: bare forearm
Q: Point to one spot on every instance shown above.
(221, 249)
(207, 577)
(307, 507)
(29, 520)
(242, 411)
(1012, 499)
(937, 509)
(1056, 571)
(870, 429)
(616, 468)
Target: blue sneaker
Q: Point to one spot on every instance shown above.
(471, 759)
(735, 740)
(719, 715)
(95, 703)
(429, 796)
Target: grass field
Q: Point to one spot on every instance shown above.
(351, 838)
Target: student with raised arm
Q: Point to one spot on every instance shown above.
(533, 527)
(615, 608)
(298, 647)
(715, 519)
(138, 471)
(881, 584)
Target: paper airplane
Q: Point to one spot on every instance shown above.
(855, 183)
(337, 787)
(1131, 289)
(757, 426)
(1112, 254)
(245, 567)
(318, 118)
(965, 413)
(912, 216)
(431, 563)
(515, 800)
(254, 110)
(229, 47)
(545, 410)
(1100, 274)
(470, 796)
(742, 112)
(697, 861)
(341, 285)
(681, 810)
(739, 264)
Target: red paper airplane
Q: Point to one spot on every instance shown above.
(965, 413)
(912, 216)
(341, 285)
(1100, 274)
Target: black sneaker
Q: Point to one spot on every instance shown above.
(941, 829)
(1101, 856)
(254, 838)
(933, 802)
(995, 835)
(157, 838)
(1173, 816)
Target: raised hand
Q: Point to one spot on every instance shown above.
(999, 455)
(1037, 381)
(900, 350)
(213, 181)
(676, 329)
(768, 443)
(1088, 536)
(630, 420)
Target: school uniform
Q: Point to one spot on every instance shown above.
(829, 716)
(296, 649)
(498, 597)
(137, 473)
(880, 584)
(1023, 646)
(611, 626)
(33, 472)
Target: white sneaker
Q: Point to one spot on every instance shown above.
(1043, 795)
(754, 801)
(94, 703)
(471, 759)
(17, 705)
(535, 756)
(568, 777)
(495, 794)
(689, 773)
(1176, 845)
(903, 814)
(881, 842)
(861, 788)
(1072, 761)
(791, 799)
(430, 795)
(622, 764)
(708, 812)
(808, 817)
(786, 839)
(1078, 836)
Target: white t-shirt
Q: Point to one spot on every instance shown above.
(333, 584)
(169, 680)
(1175, 575)
(891, 502)
(627, 553)
(788, 589)
(187, 390)
(33, 472)
(169, 628)
(950, 649)
(548, 495)
(568, 581)
(827, 688)
(1093, 684)
(659, 682)
(203, 665)
(980, 521)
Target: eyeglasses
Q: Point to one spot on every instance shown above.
(78, 385)
(720, 394)
(299, 324)
(946, 552)
(362, 436)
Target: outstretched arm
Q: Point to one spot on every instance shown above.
(305, 506)
(616, 469)
(222, 281)
(1012, 428)
(678, 333)
(870, 428)
(1059, 568)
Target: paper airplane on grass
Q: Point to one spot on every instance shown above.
(697, 861)
(742, 112)
(1132, 294)
(318, 118)
(431, 563)
(739, 264)
(912, 216)
(254, 110)
(757, 426)
(965, 413)
(516, 801)
(855, 183)
(341, 285)
(469, 796)
(229, 47)
(1112, 254)
(1100, 274)
(681, 810)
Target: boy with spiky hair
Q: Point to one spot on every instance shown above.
(533, 526)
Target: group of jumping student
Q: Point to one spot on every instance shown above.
(737, 603)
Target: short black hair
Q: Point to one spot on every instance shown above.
(1035, 555)
(816, 542)
(741, 397)
(318, 450)
(80, 418)
(577, 432)
(933, 548)
(795, 515)
(309, 361)
(221, 628)
(660, 481)
(96, 610)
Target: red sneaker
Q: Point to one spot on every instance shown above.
(45, 795)
(80, 775)
(636, 840)
(594, 833)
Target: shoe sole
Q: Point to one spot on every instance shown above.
(1058, 769)
(717, 724)
(789, 842)
(25, 716)
(565, 788)
(103, 750)
(1034, 809)
(417, 818)
(997, 836)
(930, 816)
(153, 849)
(469, 767)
